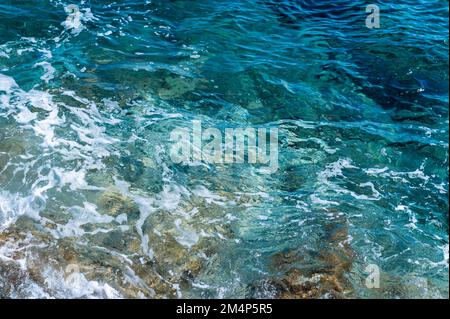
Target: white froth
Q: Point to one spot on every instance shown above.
(145, 209)
(74, 179)
(208, 196)
(81, 216)
(25, 116)
(322, 202)
(40, 99)
(73, 20)
(185, 237)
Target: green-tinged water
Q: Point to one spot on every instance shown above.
(92, 205)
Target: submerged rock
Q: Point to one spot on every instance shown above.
(296, 285)
(12, 147)
(175, 87)
(115, 204)
(311, 275)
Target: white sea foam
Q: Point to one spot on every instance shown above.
(185, 237)
(81, 216)
(94, 141)
(12, 206)
(73, 20)
(7, 83)
(76, 17)
(326, 187)
(74, 179)
(335, 169)
(322, 202)
(57, 284)
(40, 99)
(48, 69)
(400, 176)
(75, 285)
(36, 110)
(146, 207)
(202, 192)
(25, 116)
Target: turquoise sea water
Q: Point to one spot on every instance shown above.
(92, 206)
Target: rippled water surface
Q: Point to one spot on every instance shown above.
(91, 204)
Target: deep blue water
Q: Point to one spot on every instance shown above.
(91, 204)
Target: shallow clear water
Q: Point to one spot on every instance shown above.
(91, 204)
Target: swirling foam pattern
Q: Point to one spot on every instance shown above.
(91, 206)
